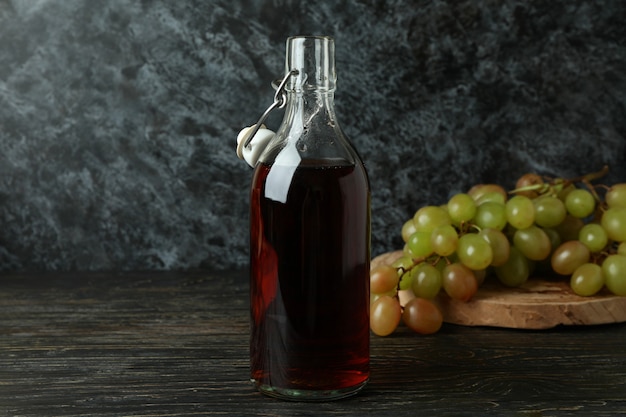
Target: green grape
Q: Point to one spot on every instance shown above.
(614, 269)
(587, 279)
(616, 196)
(385, 315)
(500, 246)
(580, 203)
(427, 218)
(593, 236)
(419, 244)
(444, 240)
(621, 249)
(383, 278)
(614, 222)
(549, 211)
(459, 282)
(422, 316)
(569, 256)
(490, 214)
(533, 243)
(404, 262)
(569, 228)
(474, 251)
(426, 281)
(461, 208)
(405, 281)
(515, 271)
(408, 228)
(520, 212)
(543, 267)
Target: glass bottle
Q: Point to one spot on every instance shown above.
(309, 243)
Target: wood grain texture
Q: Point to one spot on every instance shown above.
(170, 344)
(536, 304)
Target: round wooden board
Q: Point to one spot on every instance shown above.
(537, 304)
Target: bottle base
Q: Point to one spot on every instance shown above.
(304, 395)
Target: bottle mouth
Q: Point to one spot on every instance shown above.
(314, 59)
(320, 37)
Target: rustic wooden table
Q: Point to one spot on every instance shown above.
(176, 344)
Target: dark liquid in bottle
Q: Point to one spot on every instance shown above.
(310, 278)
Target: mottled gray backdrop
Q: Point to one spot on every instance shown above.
(118, 118)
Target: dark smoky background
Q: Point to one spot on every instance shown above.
(118, 119)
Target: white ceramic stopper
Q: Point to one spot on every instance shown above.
(252, 152)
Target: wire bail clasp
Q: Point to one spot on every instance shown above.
(280, 99)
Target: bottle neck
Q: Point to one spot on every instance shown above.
(313, 57)
(309, 133)
(311, 88)
(304, 107)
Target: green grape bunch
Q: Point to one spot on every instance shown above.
(569, 229)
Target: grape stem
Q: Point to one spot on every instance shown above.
(415, 262)
(540, 188)
(592, 176)
(558, 184)
(475, 227)
(432, 260)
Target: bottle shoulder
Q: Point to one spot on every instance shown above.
(311, 147)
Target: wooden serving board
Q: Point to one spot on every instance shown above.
(537, 304)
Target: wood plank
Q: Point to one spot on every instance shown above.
(177, 345)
